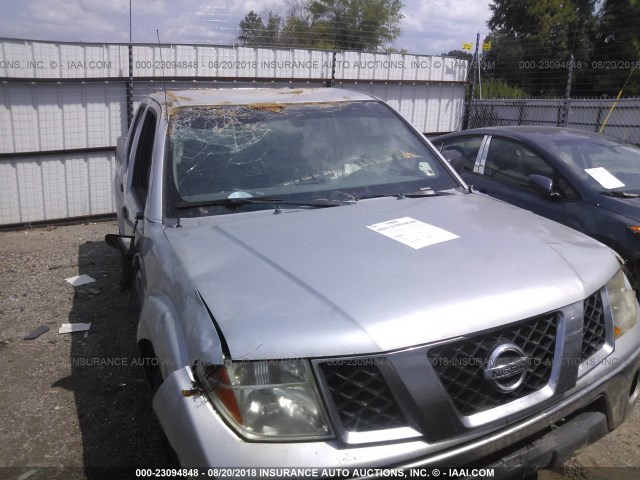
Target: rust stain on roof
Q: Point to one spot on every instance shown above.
(173, 98)
(269, 107)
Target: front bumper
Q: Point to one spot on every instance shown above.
(544, 440)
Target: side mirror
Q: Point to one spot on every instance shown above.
(123, 243)
(454, 157)
(544, 186)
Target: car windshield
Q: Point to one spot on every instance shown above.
(303, 152)
(604, 164)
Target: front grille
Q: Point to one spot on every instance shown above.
(362, 397)
(593, 330)
(460, 364)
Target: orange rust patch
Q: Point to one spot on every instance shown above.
(269, 107)
(174, 98)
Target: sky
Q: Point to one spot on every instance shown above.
(428, 27)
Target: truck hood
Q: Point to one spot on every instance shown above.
(316, 283)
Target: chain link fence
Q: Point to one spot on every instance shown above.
(620, 119)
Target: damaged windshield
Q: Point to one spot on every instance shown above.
(304, 152)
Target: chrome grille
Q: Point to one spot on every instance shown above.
(593, 330)
(362, 397)
(460, 364)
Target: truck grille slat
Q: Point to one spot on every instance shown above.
(460, 364)
(593, 331)
(362, 397)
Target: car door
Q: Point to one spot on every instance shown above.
(504, 170)
(123, 157)
(137, 191)
(139, 170)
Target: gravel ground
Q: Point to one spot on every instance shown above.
(63, 406)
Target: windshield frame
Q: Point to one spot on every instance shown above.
(448, 177)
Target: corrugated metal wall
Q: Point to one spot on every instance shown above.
(63, 106)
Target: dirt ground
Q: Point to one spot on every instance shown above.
(62, 406)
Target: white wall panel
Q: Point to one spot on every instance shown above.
(430, 108)
(50, 116)
(9, 193)
(30, 189)
(66, 96)
(53, 187)
(45, 60)
(34, 59)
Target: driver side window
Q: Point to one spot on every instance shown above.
(143, 158)
(512, 163)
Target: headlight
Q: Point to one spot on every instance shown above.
(634, 229)
(267, 400)
(623, 304)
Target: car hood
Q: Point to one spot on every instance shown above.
(315, 283)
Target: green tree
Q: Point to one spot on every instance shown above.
(461, 54)
(617, 48)
(330, 24)
(255, 32)
(533, 41)
(251, 30)
(358, 24)
(495, 88)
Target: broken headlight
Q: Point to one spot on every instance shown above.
(623, 304)
(267, 400)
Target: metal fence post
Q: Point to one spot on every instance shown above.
(567, 96)
(599, 120)
(521, 113)
(333, 70)
(130, 88)
(471, 85)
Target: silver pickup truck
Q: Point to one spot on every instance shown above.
(319, 288)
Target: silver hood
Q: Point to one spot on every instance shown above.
(315, 283)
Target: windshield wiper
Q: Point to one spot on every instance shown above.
(232, 202)
(618, 193)
(416, 194)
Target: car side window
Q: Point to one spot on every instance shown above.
(468, 146)
(511, 162)
(144, 154)
(132, 131)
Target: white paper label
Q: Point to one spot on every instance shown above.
(412, 232)
(74, 327)
(604, 177)
(80, 280)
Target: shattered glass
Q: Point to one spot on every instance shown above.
(232, 151)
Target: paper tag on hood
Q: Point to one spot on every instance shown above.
(412, 232)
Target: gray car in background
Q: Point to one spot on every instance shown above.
(319, 288)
